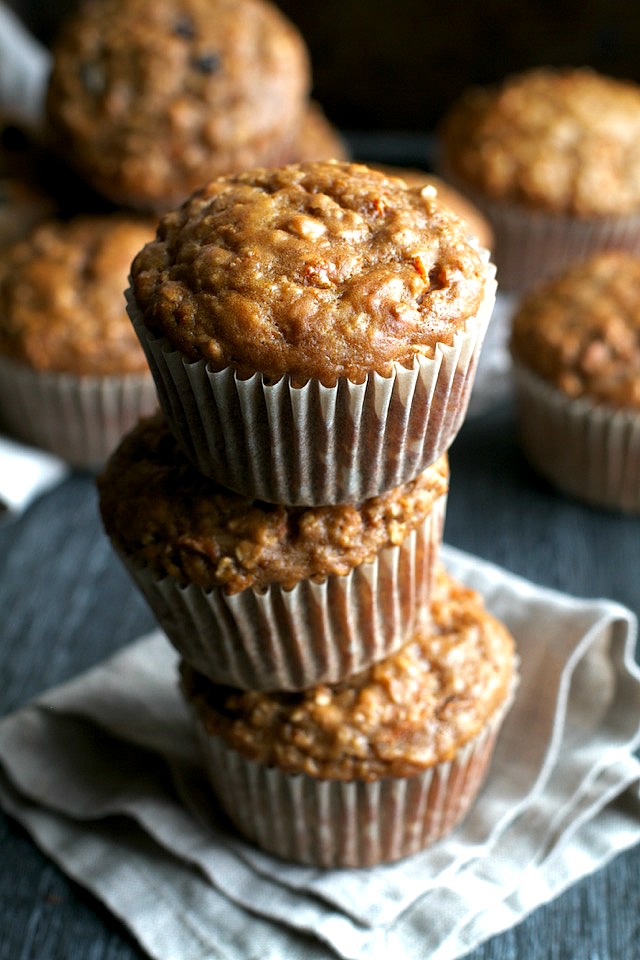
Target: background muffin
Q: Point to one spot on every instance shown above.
(552, 157)
(267, 596)
(73, 377)
(319, 300)
(372, 769)
(576, 350)
(149, 99)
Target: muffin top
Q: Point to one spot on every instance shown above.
(62, 305)
(151, 98)
(581, 330)
(410, 711)
(559, 140)
(163, 513)
(319, 269)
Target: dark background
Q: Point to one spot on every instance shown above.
(397, 64)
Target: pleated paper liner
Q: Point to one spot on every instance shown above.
(317, 445)
(356, 823)
(589, 451)
(313, 633)
(81, 419)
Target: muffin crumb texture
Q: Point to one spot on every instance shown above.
(406, 713)
(313, 270)
(581, 330)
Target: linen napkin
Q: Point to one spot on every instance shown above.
(25, 473)
(104, 773)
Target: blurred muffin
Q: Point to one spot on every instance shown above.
(262, 596)
(372, 769)
(73, 378)
(576, 350)
(320, 300)
(149, 99)
(552, 158)
(479, 226)
(317, 138)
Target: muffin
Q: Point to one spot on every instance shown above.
(552, 158)
(478, 225)
(149, 99)
(317, 138)
(576, 349)
(73, 377)
(372, 769)
(263, 596)
(313, 329)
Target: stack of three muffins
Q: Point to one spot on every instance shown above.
(313, 332)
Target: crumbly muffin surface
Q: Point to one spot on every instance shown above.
(315, 269)
(162, 512)
(581, 330)
(561, 140)
(414, 709)
(150, 98)
(62, 304)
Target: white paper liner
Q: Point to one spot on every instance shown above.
(589, 451)
(336, 823)
(532, 245)
(317, 445)
(80, 419)
(315, 632)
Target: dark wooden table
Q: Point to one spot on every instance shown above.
(66, 603)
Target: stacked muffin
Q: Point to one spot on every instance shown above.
(313, 332)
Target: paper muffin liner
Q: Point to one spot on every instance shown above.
(338, 823)
(532, 245)
(589, 451)
(81, 419)
(317, 445)
(313, 633)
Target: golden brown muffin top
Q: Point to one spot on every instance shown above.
(151, 98)
(410, 711)
(560, 140)
(581, 330)
(160, 511)
(314, 270)
(62, 304)
(478, 226)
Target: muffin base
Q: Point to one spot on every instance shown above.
(315, 632)
(317, 445)
(336, 823)
(79, 419)
(588, 451)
